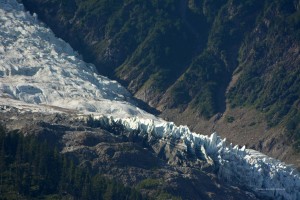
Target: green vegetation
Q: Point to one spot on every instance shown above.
(269, 79)
(149, 183)
(293, 128)
(252, 124)
(31, 169)
(230, 119)
(155, 184)
(186, 52)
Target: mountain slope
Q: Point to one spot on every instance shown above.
(126, 156)
(194, 58)
(91, 118)
(32, 169)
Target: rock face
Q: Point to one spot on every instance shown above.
(127, 155)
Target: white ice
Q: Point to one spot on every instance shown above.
(263, 175)
(37, 68)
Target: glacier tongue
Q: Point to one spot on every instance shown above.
(251, 169)
(41, 73)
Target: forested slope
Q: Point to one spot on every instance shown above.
(32, 169)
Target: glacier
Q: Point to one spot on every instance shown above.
(37, 69)
(41, 73)
(265, 176)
